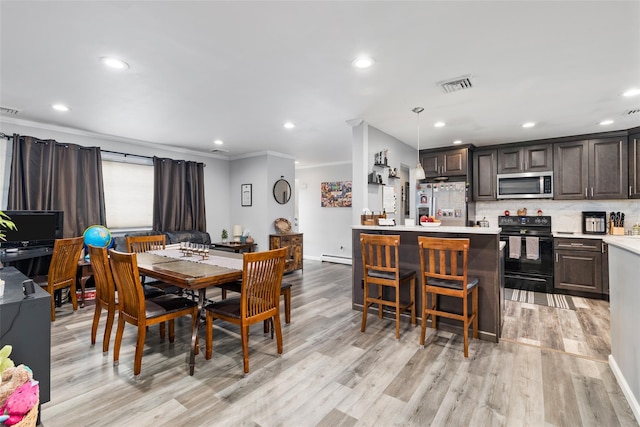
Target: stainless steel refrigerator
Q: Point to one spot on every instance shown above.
(447, 201)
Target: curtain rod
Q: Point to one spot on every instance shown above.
(10, 137)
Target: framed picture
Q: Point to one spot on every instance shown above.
(245, 194)
(335, 194)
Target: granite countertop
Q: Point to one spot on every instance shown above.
(630, 243)
(431, 229)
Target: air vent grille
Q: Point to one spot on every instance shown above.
(457, 84)
(634, 111)
(218, 150)
(7, 110)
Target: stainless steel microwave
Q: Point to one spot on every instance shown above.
(528, 185)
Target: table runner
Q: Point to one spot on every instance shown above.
(173, 251)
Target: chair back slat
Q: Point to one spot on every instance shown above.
(105, 286)
(140, 244)
(380, 253)
(127, 280)
(443, 258)
(261, 278)
(64, 261)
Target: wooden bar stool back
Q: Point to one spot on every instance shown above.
(444, 272)
(381, 267)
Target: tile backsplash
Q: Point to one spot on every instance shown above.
(566, 215)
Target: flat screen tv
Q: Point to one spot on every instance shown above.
(34, 229)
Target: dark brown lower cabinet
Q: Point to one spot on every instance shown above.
(579, 266)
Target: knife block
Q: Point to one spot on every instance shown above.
(616, 231)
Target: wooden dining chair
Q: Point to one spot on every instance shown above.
(259, 300)
(381, 267)
(105, 293)
(285, 292)
(138, 244)
(443, 265)
(134, 309)
(62, 270)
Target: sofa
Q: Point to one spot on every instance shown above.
(193, 236)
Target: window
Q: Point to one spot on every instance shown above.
(128, 191)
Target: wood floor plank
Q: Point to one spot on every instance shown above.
(331, 374)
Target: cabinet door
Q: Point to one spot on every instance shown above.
(608, 168)
(538, 158)
(570, 170)
(431, 163)
(578, 271)
(455, 162)
(634, 166)
(510, 160)
(484, 175)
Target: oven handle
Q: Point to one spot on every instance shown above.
(505, 238)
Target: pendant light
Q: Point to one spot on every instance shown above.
(419, 174)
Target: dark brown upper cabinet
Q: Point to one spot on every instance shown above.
(532, 158)
(591, 169)
(634, 166)
(484, 174)
(438, 163)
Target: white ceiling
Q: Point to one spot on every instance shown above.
(237, 71)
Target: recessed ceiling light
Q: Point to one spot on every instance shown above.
(457, 141)
(118, 64)
(60, 107)
(528, 124)
(606, 122)
(439, 124)
(363, 62)
(289, 125)
(297, 162)
(218, 142)
(632, 92)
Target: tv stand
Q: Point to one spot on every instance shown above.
(10, 255)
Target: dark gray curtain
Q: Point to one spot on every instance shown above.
(178, 200)
(47, 175)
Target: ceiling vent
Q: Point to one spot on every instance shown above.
(633, 112)
(7, 110)
(218, 150)
(457, 84)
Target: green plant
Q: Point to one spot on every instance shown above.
(5, 223)
(224, 235)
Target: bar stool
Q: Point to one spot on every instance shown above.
(380, 264)
(444, 272)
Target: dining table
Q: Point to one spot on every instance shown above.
(191, 271)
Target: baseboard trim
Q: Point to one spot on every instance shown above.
(626, 390)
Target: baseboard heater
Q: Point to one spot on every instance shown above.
(335, 258)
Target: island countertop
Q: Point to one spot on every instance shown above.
(430, 229)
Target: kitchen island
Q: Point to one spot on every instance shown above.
(624, 299)
(484, 263)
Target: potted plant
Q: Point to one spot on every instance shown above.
(224, 235)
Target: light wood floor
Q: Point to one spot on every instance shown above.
(330, 374)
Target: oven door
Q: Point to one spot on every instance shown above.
(522, 272)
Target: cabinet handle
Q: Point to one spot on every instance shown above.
(602, 247)
(586, 195)
(592, 192)
(629, 190)
(556, 256)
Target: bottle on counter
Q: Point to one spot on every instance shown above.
(384, 214)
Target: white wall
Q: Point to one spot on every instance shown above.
(367, 140)
(261, 171)
(216, 171)
(326, 230)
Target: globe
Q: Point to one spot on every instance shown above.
(97, 235)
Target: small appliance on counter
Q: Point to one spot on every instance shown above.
(594, 222)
